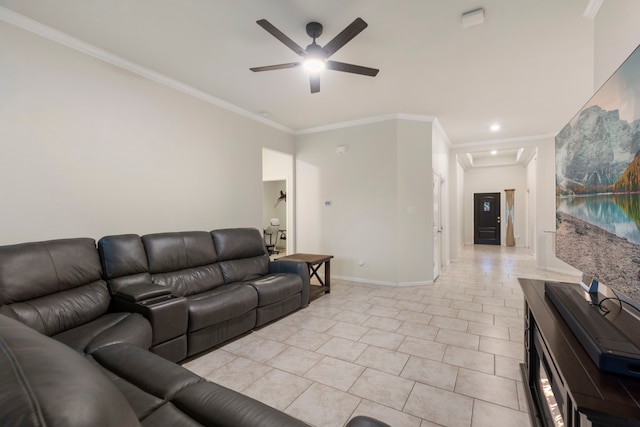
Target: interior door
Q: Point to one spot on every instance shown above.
(486, 218)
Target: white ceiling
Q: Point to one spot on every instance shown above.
(529, 66)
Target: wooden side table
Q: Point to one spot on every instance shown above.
(314, 262)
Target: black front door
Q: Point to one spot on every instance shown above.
(486, 218)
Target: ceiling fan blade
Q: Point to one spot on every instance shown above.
(343, 38)
(350, 68)
(276, 67)
(281, 36)
(315, 83)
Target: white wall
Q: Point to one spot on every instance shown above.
(360, 185)
(617, 34)
(440, 152)
(371, 205)
(414, 253)
(546, 210)
(456, 231)
(88, 149)
(496, 180)
(532, 170)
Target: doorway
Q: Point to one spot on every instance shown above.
(274, 214)
(486, 218)
(278, 199)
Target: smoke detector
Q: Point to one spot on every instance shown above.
(473, 17)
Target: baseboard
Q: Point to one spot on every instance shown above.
(382, 283)
(363, 280)
(419, 283)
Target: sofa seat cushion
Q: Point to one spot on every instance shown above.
(111, 328)
(222, 303)
(240, 270)
(45, 383)
(276, 287)
(190, 281)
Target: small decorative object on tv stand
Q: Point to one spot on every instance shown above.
(589, 284)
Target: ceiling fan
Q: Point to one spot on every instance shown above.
(315, 57)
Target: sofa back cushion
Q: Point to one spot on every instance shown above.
(54, 285)
(124, 261)
(242, 254)
(183, 261)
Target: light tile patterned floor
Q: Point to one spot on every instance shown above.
(446, 354)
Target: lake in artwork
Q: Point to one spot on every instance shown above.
(618, 214)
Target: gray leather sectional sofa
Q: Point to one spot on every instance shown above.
(77, 323)
(200, 289)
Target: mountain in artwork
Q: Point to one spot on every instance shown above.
(596, 153)
(628, 181)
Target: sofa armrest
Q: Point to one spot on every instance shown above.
(295, 267)
(167, 314)
(142, 291)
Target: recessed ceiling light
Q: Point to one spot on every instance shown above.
(495, 128)
(494, 152)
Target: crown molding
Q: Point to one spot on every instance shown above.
(69, 41)
(416, 117)
(592, 9)
(365, 121)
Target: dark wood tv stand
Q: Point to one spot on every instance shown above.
(585, 395)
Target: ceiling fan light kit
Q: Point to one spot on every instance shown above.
(316, 57)
(314, 60)
(314, 65)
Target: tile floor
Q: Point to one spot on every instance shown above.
(446, 354)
